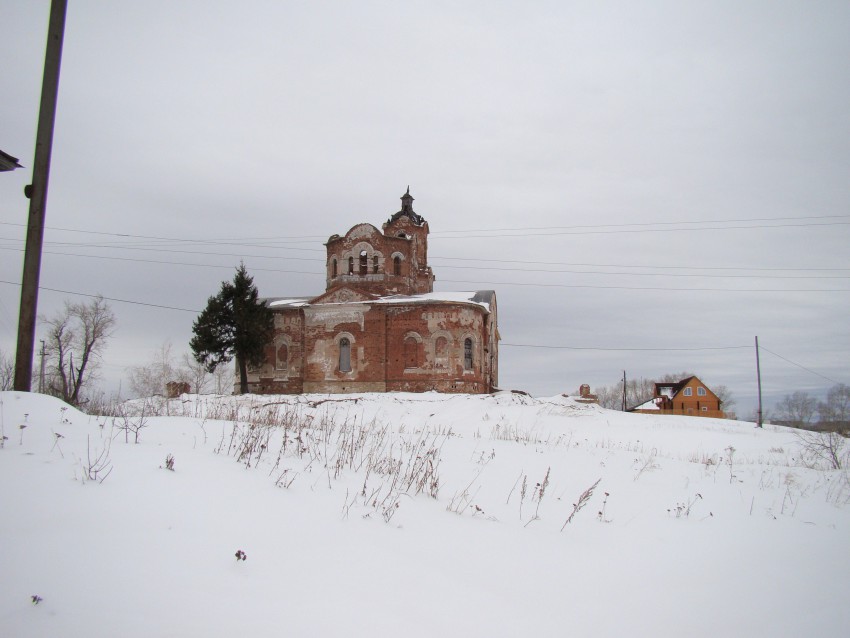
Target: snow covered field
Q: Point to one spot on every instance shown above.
(413, 515)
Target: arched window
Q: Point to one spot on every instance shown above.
(441, 352)
(344, 355)
(333, 267)
(411, 353)
(374, 264)
(351, 265)
(282, 362)
(396, 265)
(467, 354)
(363, 262)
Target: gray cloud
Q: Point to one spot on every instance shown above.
(213, 121)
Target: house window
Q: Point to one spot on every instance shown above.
(467, 354)
(282, 362)
(363, 262)
(351, 265)
(411, 353)
(344, 355)
(396, 265)
(333, 267)
(688, 392)
(701, 391)
(705, 408)
(374, 264)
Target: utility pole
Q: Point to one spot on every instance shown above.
(758, 374)
(41, 372)
(624, 390)
(37, 193)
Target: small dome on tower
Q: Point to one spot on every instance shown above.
(407, 210)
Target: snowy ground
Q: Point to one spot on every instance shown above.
(697, 527)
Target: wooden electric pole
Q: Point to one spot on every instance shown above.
(624, 390)
(758, 375)
(37, 193)
(41, 368)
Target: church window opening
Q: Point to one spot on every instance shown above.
(282, 362)
(344, 355)
(467, 354)
(333, 267)
(441, 352)
(411, 353)
(351, 265)
(363, 262)
(374, 264)
(396, 265)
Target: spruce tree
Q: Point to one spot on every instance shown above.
(235, 323)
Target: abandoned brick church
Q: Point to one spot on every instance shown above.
(379, 326)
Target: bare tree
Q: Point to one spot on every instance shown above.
(835, 411)
(76, 338)
(610, 396)
(224, 379)
(7, 372)
(727, 400)
(149, 379)
(196, 375)
(823, 447)
(637, 391)
(797, 409)
(672, 377)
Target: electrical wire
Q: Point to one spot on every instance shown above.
(818, 374)
(484, 268)
(115, 299)
(551, 347)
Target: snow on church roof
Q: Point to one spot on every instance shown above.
(483, 298)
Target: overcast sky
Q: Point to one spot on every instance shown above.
(631, 178)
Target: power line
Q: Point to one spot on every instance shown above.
(181, 263)
(567, 263)
(637, 230)
(485, 268)
(169, 239)
(818, 374)
(647, 274)
(115, 299)
(630, 227)
(551, 347)
(501, 345)
(676, 223)
(661, 288)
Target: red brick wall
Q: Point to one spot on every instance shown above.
(377, 333)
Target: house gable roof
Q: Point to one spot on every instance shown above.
(672, 389)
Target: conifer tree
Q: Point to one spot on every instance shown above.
(235, 323)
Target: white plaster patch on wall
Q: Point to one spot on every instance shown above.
(467, 318)
(324, 355)
(330, 318)
(362, 230)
